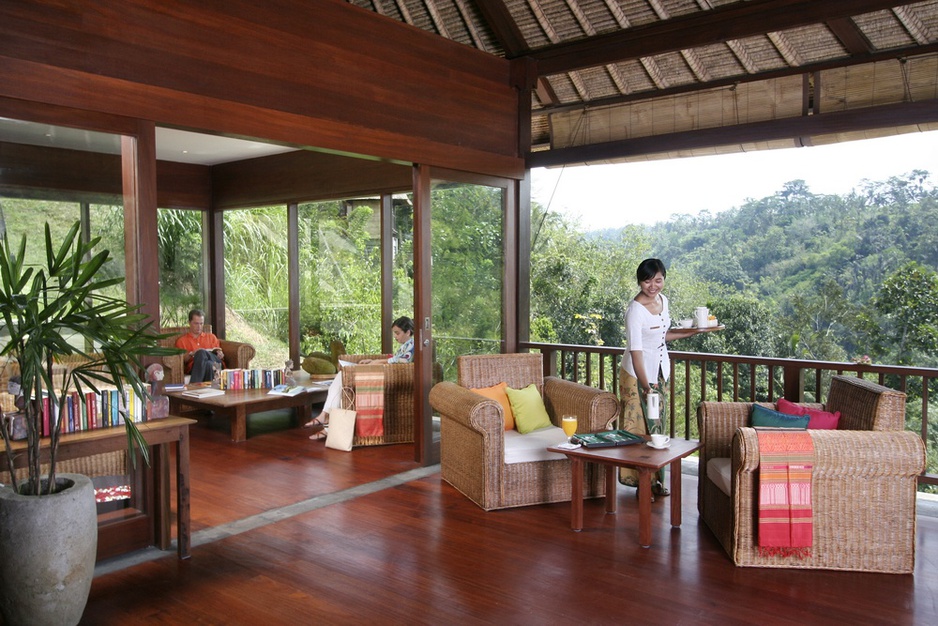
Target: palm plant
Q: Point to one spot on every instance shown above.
(61, 309)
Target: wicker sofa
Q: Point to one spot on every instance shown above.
(237, 354)
(472, 434)
(863, 485)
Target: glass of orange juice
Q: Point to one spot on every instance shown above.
(569, 423)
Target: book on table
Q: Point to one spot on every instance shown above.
(608, 439)
(203, 392)
(287, 390)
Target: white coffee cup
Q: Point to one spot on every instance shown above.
(660, 441)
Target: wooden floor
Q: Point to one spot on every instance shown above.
(352, 550)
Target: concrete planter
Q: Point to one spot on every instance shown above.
(47, 553)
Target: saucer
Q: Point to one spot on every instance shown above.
(649, 444)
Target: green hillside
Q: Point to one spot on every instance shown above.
(794, 274)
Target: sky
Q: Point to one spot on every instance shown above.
(611, 196)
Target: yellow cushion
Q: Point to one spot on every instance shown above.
(497, 393)
(528, 407)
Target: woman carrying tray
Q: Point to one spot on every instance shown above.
(645, 365)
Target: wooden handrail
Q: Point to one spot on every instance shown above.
(736, 378)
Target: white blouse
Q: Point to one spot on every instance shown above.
(646, 332)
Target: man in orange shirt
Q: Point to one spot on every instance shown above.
(202, 349)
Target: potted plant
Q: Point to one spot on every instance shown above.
(59, 309)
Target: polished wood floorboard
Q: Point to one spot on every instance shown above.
(421, 553)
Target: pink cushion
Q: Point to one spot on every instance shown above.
(820, 420)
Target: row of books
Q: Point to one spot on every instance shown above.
(91, 410)
(250, 379)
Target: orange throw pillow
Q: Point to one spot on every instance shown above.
(497, 393)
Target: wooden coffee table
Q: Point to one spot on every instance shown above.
(636, 456)
(236, 404)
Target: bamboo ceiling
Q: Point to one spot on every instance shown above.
(620, 80)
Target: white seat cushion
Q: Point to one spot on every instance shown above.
(720, 472)
(533, 446)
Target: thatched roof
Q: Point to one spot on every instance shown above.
(618, 80)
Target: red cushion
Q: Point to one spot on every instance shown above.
(820, 420)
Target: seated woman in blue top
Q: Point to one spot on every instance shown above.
(403, 329)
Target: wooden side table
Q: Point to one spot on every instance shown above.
(158, 434)
(640, 457)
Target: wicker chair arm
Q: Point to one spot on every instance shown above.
(596, 410)
(470, 410)
(356, 358)
(237, 354)
(174, 371)
(717, 423)
(865, 405)
(398, 377)
(853, 454)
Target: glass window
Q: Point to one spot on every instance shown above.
(182, 287)
(257, 282)
(467, 270)
(60, 176)
(340, 275)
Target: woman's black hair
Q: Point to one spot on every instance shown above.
(648, 268)
(404, 323)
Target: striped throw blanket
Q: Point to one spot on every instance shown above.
(786, 461)
(369, 401)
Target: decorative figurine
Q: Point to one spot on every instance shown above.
(158, 404)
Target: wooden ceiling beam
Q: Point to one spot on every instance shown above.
(504, 27)
(734, 21)
(850, 36)
(902, 114)
(896, 53)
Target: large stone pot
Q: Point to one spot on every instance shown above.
(47, 553)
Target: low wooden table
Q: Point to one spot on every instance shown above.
(236, 404)
(158, 434)
(636, 456)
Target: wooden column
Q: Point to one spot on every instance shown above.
(425, 452)
(293, 287)
(387, 273)
(138, 172)
(213, 231)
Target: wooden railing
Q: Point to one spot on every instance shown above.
(700, 376)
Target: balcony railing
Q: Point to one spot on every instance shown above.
(699, 376)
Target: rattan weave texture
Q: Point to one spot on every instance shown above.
(863, 485)
(472, 432)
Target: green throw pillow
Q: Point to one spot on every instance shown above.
(762, 416)
(528, 408)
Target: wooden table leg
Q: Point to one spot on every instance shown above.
(160, 463)
(676, 493)
(644, 507)
(239, 424)
(182, 495)
(303, 413)
(576, 497)
(611, 471)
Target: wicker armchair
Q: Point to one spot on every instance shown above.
(472, 435)
(398, 398)
(237, 354)
(863, 485)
